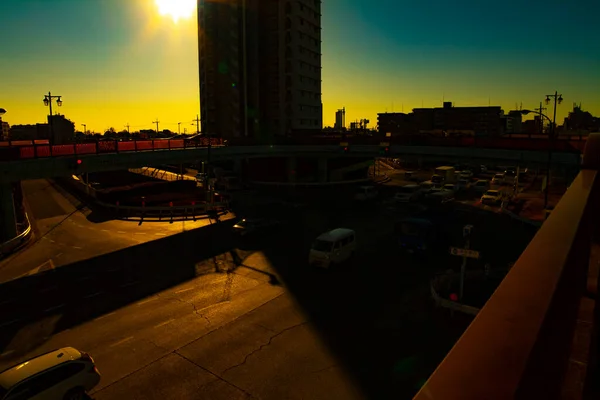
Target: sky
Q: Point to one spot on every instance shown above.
(120, 62)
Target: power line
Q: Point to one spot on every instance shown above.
(156, 122)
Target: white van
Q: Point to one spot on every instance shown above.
(333, 247)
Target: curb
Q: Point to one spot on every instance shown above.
(16, 243)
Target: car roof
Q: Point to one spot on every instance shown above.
(335, 234)
(482, 181)
(17, 373)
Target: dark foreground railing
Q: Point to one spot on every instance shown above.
(536, 336)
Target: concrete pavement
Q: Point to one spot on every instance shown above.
(179, 317)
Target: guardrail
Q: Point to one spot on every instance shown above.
(23, 150)
(19, 240)
(192, 210)
(536, 337)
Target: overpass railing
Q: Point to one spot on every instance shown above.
(16, 150)
(537, 336)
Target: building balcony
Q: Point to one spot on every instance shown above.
(537, 336)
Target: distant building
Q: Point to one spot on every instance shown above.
(260, 67)
(513, 122)
(5, 130)
(340, 119)
(484, 121)
(579, 120)
(64, 131)
(395, 123)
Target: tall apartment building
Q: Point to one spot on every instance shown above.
(260, 67)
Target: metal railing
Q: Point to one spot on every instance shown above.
(19, 240)
(536, 337)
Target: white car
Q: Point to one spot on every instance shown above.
(498, 179)
(491, 197)
(481, 186)
(408, 193)
(466, 175)
(463, 185)
(451, 187)
(65, 373)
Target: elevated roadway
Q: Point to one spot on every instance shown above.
(47, 167)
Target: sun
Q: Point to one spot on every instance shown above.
(176, 9)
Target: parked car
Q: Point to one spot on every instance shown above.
(451, 187)
(498, 179)
(481, 186)
(437, 179)
(465, 175)
(65, 373)
(408, 193)
(491, 197)
(463, 185)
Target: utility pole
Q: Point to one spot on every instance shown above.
(127, 126)
(463, 268)
(179, 128)
(84, 128)
(540, 111)
(197, 121)
(156, 122)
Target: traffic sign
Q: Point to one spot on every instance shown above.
(456, 251)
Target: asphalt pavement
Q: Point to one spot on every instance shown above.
(191, 311)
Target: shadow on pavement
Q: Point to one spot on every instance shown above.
(87, 289)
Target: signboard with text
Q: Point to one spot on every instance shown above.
(456, 251)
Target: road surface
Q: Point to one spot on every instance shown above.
(66, 231)
(203, 314)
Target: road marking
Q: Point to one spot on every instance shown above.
(105, 315)
(130, 284)
(34, 271)
(185, 290)
(59, 254)
(89, 296)
(139, 303)
(105, 230)
(7, 353)
(139, 233)
(160, 234)
(51, 241)
(77, 247)
(127, 339)
(54, 308)
(121, 232)
(10, 322)
(164, 323)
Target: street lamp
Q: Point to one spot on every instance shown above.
(551, 136)
(48, 103)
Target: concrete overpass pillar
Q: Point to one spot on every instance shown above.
(322, 170)
(8, 216)
(292, 164)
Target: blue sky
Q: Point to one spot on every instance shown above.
(119, 61)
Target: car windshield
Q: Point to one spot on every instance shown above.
(510, 173)
(481, 183)
(449, 187)
(322, 245)
(499, 176)
(463, 182)
(491, 193)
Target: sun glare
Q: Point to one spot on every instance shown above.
(176, 9)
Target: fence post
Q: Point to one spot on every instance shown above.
(75, 148)
(171, 205)
(118, 211)
(135, 145)
(194, 210)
